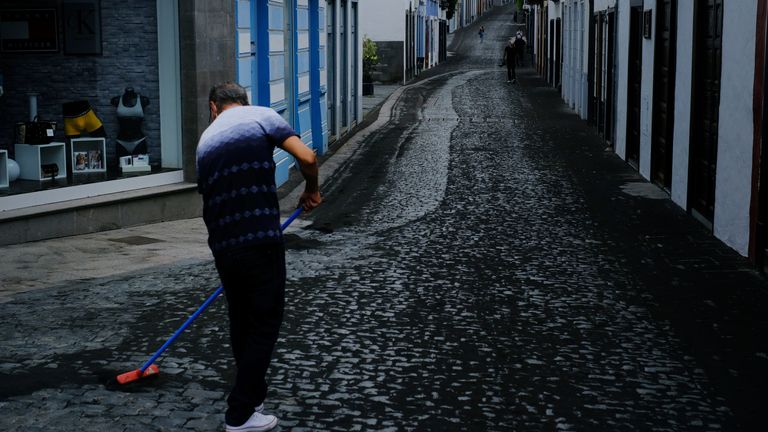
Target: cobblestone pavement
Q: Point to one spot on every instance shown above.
(480, 264)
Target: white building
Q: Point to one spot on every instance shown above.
(671, 86)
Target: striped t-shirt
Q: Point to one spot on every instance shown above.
(236, 176)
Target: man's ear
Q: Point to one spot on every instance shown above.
(214, 111)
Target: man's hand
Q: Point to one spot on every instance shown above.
(308, 163)
(310, 200)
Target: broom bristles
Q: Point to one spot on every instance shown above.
(136, 375)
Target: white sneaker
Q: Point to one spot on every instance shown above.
(257, 423)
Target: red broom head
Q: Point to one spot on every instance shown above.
(136, 375)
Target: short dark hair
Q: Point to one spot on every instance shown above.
(228, 93)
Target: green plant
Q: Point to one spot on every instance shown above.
(370, 58)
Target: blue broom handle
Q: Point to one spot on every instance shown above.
(290, 219)
(205, 305)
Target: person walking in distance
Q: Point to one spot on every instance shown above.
(520, 44)
(481, 33)
(510, 58)
(236, 177)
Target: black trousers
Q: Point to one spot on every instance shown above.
(511, 75)
(254, 284)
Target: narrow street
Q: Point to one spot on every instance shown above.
(484, 265)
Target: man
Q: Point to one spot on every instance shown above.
(510, 57)
(520, 43)
(236, 176)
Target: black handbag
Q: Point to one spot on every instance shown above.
(35, 132)
(50, 170)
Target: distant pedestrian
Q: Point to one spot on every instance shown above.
(520, 44)
(481, 33)
(236, 176)
(510, 54)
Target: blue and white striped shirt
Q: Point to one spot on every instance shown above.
(236, 176)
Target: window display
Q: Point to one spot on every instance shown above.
(72, 121)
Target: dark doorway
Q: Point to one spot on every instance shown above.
(609, 65)
(541, 55)
(558, 52)
(551, 55)
(707, 51)
(664, 93)
(443, 53)
(410, 44)
(330, 13)
(761, 131)
(603, 73)
(591, 30)
(597, 75)
(633, 90)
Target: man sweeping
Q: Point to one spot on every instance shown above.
(236, 177)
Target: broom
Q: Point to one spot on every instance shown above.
(149, 368)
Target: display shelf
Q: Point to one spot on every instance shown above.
(4, 183)
(87, 155)
(31, 157)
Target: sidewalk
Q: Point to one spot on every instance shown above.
(380, 93)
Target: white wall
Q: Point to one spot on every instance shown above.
(383, 20)
(734, 152)
(683, 83)
(554, 10)
(604, 4)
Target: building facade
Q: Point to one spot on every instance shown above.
(675, 88)
(392, 26)
(119, 113)
(97, 122)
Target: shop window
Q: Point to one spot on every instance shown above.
(91, 87)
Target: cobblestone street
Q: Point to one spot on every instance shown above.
(480, 263)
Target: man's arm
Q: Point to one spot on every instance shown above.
(308, 163)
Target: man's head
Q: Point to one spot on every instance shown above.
(511, 41)
(224, 95)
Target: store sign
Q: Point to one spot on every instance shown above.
(28, 30)
(82, 27)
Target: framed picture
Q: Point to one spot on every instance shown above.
(82, 27)
(88, 155)
(28, 30)
(95, 160)
(647, 24)
(80, 160)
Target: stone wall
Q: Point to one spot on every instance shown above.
(208, 50)
(390, 67)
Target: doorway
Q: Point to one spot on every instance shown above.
(558, 52)
(344, 68)
(707, 51)
(664, 93)
(634, 87)
(609, 76)
(760, 248)
(597, 73)
(330, 28)
(353, 65)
